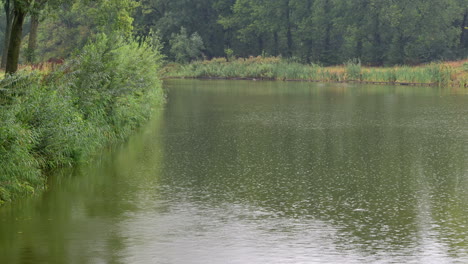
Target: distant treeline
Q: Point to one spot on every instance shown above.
(378, 32)
(326, 32)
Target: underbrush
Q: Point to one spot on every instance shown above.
(275, 68)
(61, 117)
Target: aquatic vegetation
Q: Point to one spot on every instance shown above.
(57, 118)
(276, 68)
(353, 70)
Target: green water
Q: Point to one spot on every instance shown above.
(264, 172)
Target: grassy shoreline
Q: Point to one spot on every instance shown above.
(64, 115)
(274, 68)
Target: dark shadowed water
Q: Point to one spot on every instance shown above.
(264, 172)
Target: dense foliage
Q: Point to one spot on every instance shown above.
(62, 117)
(377, 32)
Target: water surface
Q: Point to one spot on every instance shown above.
(264, 172)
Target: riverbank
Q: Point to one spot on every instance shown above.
(61, 116)
(274, 68)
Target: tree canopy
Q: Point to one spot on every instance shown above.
(377, 32)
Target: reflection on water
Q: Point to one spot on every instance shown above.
(264, 172)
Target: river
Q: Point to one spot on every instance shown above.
(264, 172)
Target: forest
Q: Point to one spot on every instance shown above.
(325, 32)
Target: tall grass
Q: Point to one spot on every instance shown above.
(275, 68)
(353, 70)
(62, 117)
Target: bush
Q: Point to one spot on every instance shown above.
(100, 96)
(19, 173)
(185, 48)
(229, 54)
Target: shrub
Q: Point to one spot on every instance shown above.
(19, 170)
(185, 48)
(229, 54)
(100, 96)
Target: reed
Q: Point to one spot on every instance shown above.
(275, 68)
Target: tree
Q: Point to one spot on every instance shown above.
(168, 16)
(324, 28)
(185, 48)
(20, 9)
(102, 15)
(32, 43)
(378, 32)
(8, 8)
(70, 25)
(246, 23)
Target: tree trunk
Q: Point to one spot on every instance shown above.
(309, 42)
(359, 47)
(9, 20)
(260, 44)
(275, 43)
(15, 40)
(327, 53)
(32, 44)
(289, 40)
(377, 55)
(464, 31)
